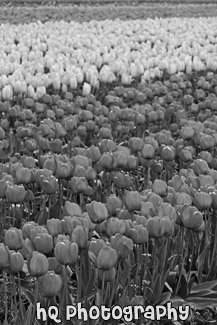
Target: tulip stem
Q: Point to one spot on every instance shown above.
(192, 255)
(35, 300)
(65, 281)
(20, 298)
(49, 206)
(60, 193)
(78, 267)
(165, 254)
(154, 261)
(5, 297)
(14, 294)
(183, 253)
(138, 261)
(103, 287)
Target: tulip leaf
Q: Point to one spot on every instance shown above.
(16, 321)
(90, 284)
(178, 301)
(211, 285)
(164, 298)
(205, 294)
(202, 302)
(55, 210)
(92, 257)
(26, 284)
(28, 295)
(183, 289)
(28, 316)
(18, 222)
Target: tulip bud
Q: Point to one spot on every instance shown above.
(186, 155)
(183, 199)
(187, 132)
(107, 258)
(113, 203)
(78, 184)
(13, 239)
(49, 184)
(63, 170)
(206, 180)
(202, 200)
(168, 153)
(43, 243)
(49, 284)
(200, 166)
(206, 142)
(4, 257)
(60, 238)
(68, 224)
(16, 262)
(72, 209)
(28, 247)
(153, 226)
(122, 244)
(159, 187)
(136, 144)
(23, 175)
(86, 89)
(66, 252)
(97, 211)
(139, 234)
(115, 226)
(191, 217)
(79, 236)
(15, 194)
(35, 231)
(29, 162)
(54, 226)
(106, 161)
(148, 151)
(166, 226)
(132, 201)
(90, 174)
(147, 208)
(38, 264)
(41, 172)
(93, 153)
(132, 162)
(54, 265)
(167, 210)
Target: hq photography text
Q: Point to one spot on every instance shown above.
(127, 313)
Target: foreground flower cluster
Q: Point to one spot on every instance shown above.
(108, 190)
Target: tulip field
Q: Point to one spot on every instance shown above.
(108, 164)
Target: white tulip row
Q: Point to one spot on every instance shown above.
(59, 54)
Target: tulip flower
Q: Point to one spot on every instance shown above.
(97, 211)
(38, 264)
(4, 257)
(79, 236)
(13, 239)
(132, 200)
(15, 194)
(43, 243)
(16, 262)
(49, 284)
(66, 252)
(113, 203)
(107, 258)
